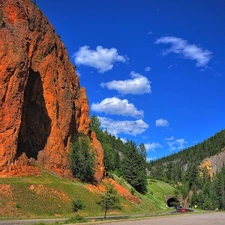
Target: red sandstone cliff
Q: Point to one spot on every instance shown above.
(41, 103)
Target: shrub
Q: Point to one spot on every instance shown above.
(132, 191)
(18, 206)
(76, 219)
(78, 205)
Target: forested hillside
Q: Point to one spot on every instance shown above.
(184, 161)
(183, 169)
(124, 159)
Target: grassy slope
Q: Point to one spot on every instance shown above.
(48, 196)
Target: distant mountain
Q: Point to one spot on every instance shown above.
(210, 152)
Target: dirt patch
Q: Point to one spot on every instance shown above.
(7, 205)
(100, 188)
(42, 190)
(123, 191)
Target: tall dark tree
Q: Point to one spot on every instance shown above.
(142, 151)
(82, 160)
(133, 168)
(95, 124)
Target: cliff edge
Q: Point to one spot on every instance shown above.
(42, 105)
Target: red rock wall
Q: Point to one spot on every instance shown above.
(41, 103)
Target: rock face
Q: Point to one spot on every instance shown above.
(214, 163)
(41, 103)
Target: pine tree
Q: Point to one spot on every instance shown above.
(109, 200)
(95, 124)
(82, 160)
(134, 168)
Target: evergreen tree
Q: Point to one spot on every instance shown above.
(133, 168)
(109, 157)
(207, 204)
(109, 200)
(142, 151)
(82, 160)
(194, 199)
(95, 124)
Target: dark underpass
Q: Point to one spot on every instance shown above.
(173, 202)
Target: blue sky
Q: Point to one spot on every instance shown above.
(153, 69)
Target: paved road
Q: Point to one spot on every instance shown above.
(217, 218)
(30, 221)
(184, 219)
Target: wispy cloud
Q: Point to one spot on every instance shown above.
(177, 144)
(137, 86)
(152, 146)
(101, 59)
(116, 106)
(126, 127)
(170, 138)
(78, 73)
(161, 123)
(188, 51)
(148, 69)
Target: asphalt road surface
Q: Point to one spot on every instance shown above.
(217, 218)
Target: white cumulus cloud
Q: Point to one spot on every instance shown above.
(177, 144)
(126, 127)
(116, 106)
(188, 51)
(152, 146)
(136, 86)
(101, 59)
(161, 123)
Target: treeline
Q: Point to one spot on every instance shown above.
(183, 170)
(210, 193)
(197, 153)
(125, 159)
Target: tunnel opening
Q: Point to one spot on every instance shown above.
(35, 123)
(173, 202)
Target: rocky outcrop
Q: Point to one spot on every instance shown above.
(214, 163)
(41, 103)
(82, 125)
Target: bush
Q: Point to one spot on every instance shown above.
(76, 219)
(132, 191)
(18, 206)
(78, 205)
